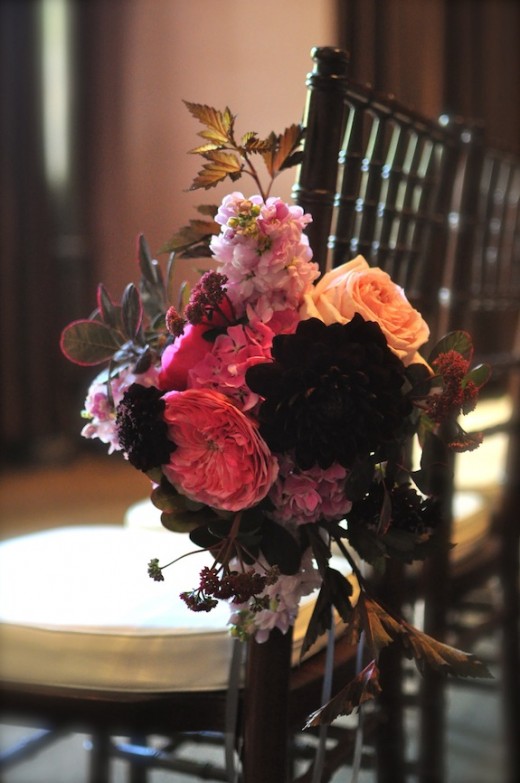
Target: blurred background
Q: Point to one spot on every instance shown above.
(94, 141)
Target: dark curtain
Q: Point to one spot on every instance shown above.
(48, 258)
(26, 266)
(459, 57)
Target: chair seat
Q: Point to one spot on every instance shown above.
(78, 610)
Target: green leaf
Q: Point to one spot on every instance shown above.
(454, 341)
(182, 521)
(478, 375)
(131, 311)
(89, 343)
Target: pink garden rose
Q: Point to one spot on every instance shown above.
(355, 287)
(220, 459)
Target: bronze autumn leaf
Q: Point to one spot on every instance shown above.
(219, 124)
(220, 166)
(280, 148)
(382, 629)
(364, 687)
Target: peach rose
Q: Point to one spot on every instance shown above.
(355, 287)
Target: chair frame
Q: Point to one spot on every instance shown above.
(392, 204)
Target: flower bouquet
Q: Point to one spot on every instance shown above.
(274, 411)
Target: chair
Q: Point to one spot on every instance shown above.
(481, 292)
(427, 202)
(138, 664)
(378, 180)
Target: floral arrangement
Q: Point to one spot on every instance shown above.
(274, 410)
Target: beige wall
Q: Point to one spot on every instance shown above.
(252, 57)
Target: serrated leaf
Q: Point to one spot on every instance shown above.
(219, 124)
(207, 209)
(89, 343)
(281, 148)
(204, 148)
(131, 311)
(320, 621)
(364, 687)
(251, 143)
(428, 652)
(287, 143)
(197, 232)
(382, 629)
(220, 166)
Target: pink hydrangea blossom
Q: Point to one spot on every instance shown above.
(220, 459)
(305, 496)
(284, 597)
(263, 252)
(100, 410)
(224, 367)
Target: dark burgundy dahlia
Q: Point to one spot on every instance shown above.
(332, 393)
(142, 432)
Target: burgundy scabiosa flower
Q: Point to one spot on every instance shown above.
(331, 394)
(142, 431)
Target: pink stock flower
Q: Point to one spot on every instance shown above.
(220, 459)
(263, 252)
(101, 410)
(304, 496)
(282, 599)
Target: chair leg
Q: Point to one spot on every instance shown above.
(138, 772)
(99, 760)
(389, 736)
(432, 745)
(510, 658)
(390, 740)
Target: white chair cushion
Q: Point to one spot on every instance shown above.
(78, 609)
